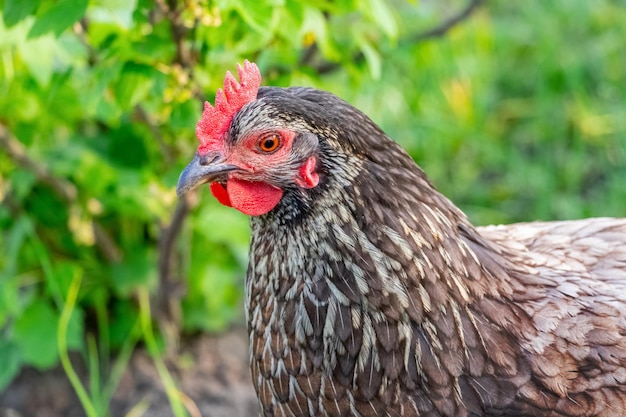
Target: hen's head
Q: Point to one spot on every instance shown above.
(259, 145)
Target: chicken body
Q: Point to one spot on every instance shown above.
(370, 294)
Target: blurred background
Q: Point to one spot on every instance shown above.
(116, 298)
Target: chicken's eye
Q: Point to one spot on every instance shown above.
(269, 143)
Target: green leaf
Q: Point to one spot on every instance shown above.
(60, 280)
(35, 335)
(16, 10)
(127, 147)
(222, 225)
(257, 14)
(38, 56)
(136, 270)
(59, 17)
(12, 243)
(134, 84)
(11, 361)
(315, 23)
(372, 57)
(47, 208)
(185, 114)
(383, 16)
(123, 316)
(121, 11)
(215, 300)
(22, 182)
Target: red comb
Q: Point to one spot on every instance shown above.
(216, 120)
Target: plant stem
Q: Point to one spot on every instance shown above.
(170, 387)
(66, 315)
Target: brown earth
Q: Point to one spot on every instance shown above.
(212, 372)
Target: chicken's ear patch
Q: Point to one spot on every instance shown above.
(216, 119)
(307, 174)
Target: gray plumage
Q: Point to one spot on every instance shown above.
(371, 294)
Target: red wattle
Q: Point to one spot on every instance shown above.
(252, 198)
(219, 192)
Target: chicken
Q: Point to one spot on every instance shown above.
(369, 293)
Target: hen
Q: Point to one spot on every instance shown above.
(369, 293)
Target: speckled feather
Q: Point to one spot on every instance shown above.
(373, 295)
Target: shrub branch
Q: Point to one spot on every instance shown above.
(62, 187)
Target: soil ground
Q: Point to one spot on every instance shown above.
(216, 379)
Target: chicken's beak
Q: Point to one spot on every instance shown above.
(202, 169)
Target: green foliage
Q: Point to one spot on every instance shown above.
(35, 335)
(16, 10)
(10, 356)
(516, 114)
(58, 17)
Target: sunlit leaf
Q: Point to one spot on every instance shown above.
(38, 55)
(315, 27)
(373, 58)
(134, 84)
(59, 17)
(257, 14)
(382, 14)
